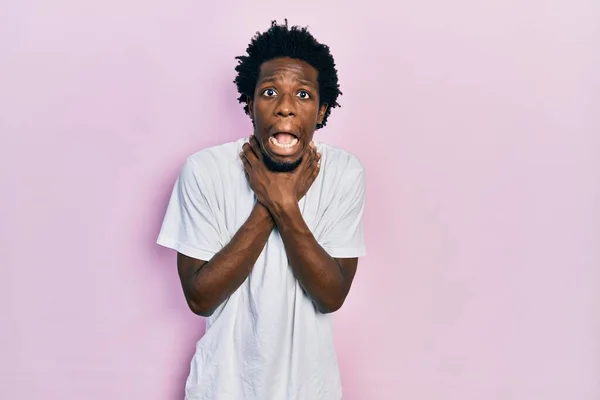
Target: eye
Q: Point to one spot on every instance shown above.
(303, 94)
(269, 92)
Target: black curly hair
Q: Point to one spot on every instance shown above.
(294, 42)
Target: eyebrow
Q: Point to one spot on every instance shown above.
(271, 79)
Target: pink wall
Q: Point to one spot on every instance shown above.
(478, 125)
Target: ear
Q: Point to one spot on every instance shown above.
(250, 104)
(321, 114)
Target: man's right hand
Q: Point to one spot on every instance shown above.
(308, 171)
(277, 190)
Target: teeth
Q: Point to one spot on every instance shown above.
(283, 145)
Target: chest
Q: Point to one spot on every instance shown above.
(234, 200)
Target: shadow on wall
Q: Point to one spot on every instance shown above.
(204, 133)
(190, 327)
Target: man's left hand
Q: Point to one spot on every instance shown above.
(279, 190)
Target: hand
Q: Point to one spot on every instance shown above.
(277, 190)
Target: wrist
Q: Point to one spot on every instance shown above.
(285, 209)
(261, 212)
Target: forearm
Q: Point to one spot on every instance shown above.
(216, 280)
(317, 272)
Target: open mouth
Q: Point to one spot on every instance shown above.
(283, 140)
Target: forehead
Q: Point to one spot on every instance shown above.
(285, 68)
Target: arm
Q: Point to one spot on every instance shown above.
(211, 264)
(208, 284)
(327, 280)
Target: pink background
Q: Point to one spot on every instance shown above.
(477, 123)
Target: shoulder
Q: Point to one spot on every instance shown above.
(338, 158)
(340, 164)
(214, 162)
(221, 155)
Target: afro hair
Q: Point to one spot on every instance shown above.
(294, 42)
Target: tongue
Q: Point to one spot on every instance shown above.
(284, 138)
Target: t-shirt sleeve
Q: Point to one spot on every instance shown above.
(344, 237)
(190, 226)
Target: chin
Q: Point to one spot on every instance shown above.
(282, 160)
(281, 165)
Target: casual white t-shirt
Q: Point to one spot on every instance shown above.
(267, 341)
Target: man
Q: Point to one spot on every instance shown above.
(268, 231)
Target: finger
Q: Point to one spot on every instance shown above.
(315, 169)
(309, 168)
(313, 147)
(307, 161)
(309, 157)
(249, 153)
(312, 175)
(315, 150)
(316, 157)
(316, 164)
(247, 165)
(316, 173)
(255, 147)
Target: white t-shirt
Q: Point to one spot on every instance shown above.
(267, 341)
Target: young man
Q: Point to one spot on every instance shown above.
(268, 231)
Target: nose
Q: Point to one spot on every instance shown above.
(285, 107)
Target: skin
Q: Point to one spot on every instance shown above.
(285, 100)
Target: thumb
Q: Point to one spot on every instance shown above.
(309, 155)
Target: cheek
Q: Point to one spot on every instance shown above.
(262, 109)
(309, 111)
